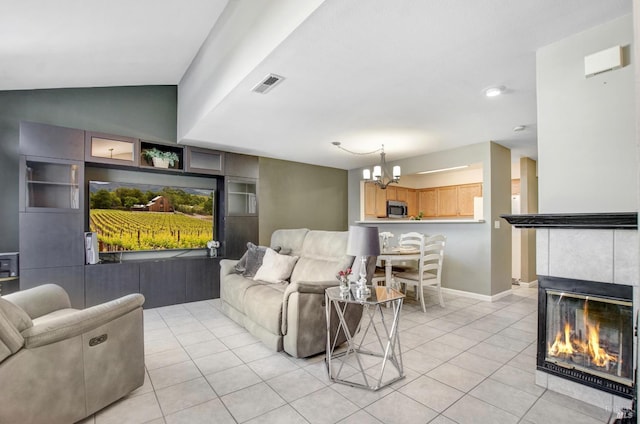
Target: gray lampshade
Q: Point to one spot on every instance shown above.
(363, 241)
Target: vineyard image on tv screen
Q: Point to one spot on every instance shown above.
(130, 216)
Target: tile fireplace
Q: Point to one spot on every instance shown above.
(588, 268)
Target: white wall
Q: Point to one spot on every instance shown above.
(586, 126)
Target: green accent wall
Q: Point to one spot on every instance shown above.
(147, 112)
(297, 195)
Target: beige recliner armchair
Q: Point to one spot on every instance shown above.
(60, 365)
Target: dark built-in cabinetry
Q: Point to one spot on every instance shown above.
(53, 215)
(161, 281)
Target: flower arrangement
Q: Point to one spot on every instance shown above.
(344, 275)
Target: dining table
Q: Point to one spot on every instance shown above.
(396, 254)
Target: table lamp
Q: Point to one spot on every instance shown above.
(363, 242)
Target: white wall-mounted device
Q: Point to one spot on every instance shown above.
(91, 248)
(603, 61)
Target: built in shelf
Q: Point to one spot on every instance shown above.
(624, 220)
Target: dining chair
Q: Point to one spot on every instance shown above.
(429, 271)
(412, 240)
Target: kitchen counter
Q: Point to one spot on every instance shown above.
(421, 221)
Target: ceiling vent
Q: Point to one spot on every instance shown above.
(267, 83)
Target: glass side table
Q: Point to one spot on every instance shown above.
(380, 363)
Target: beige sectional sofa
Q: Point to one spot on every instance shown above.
(290, 316)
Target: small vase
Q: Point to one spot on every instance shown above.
(344, 285)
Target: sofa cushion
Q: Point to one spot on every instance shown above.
(322, 257)
(232, 289)
(16, 315)
(263, 305)
(275, 268)
(290, 240)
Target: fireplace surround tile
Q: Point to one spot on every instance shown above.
(625, 258)
(542, 251)
(581, 254)
(598, 398)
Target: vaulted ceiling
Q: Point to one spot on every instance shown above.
(408, 74)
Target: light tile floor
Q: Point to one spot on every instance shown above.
(470, 362)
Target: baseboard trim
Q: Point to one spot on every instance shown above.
(530, 284)
(478, 296)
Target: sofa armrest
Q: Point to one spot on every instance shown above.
(228, 266)
(79, 322)
(308, 287)
(40, 300)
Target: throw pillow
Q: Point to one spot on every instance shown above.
(16, 315)
(275, 268)
(241, 266)
(254, 255)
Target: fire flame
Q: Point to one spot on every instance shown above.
(565, 344)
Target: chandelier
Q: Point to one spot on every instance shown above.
(380, 175)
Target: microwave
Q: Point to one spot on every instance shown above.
(396, 209)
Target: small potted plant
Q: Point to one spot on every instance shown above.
(159, 158)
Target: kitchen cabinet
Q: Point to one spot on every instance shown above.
(428, 202)
(391, 193)
(466, 193)
(456, 201)
(381, 202)
(412, 202)
(447, 201)
(369, 199)
(375, 201)
(401, 194)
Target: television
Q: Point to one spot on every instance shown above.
(142, 217)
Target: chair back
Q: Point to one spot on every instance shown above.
(432, 255)
(411, 239)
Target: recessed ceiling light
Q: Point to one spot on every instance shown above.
(519, 128)
(494, 91)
